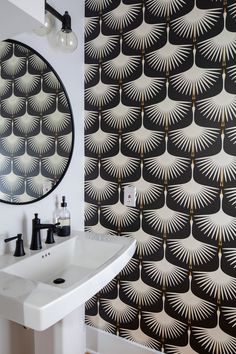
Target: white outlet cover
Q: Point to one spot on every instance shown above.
(130, 196)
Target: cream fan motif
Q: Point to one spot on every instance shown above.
(41, 143)
(143, 140)
(4, 49)
(5, 124)
(230, 255)
(5, 86)
(140, 293)
(57, 121)
(101, 46)
(111, 286)
(101, 94)
(26, 123)
(191, 251)
(146, 244)
(122, 16)
(26, 163)
(166, 166)
(215, 340)
(100, 142)
(97, 5)
(97, 322)
(121, 116)
(90, 165)
(131, 266)
(216, 284)
(27, 83)
(219, 226)
(51, 81)
(138, 336)
(120, 166)
(195, 80)
(37, 63)
(173, 349)
(144, 36)
(55, 164)
(194, 138)
(11, 182)
(13, 105)
(90, 211)
(5, 162)
(12, 144)
(119, 215)
(190, 307)
(65, 143)
(37, 184)
(118, 311)
(164, 273)
(90, 72)
(100, 190)
(219, 48)
(99, 229)
(144, 88)
(229, 314)
(13, 65)
(162, 325)
(192, 195)
(42, 102)
(91, 303)
(168, 112)
(168, 57)
(90, 118)
(196, 22)
(121, 67)
(21, 198)
(221, 107)
(164, 8)
(90, 23)
(220, 167)
(146, 193)
(165, 220)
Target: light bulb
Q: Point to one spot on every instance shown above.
(67, 40)
(45, 29)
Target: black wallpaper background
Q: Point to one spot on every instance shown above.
(160, 85)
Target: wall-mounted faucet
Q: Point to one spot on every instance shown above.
(36, 243)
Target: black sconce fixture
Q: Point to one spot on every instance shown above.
(66, 38)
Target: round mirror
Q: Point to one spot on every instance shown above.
(36, 125)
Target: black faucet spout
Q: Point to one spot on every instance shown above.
(36, 243)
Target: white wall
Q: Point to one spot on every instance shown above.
(15, 219)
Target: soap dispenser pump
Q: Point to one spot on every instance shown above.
(64, 219)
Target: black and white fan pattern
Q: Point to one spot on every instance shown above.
(36, 128)
(160, 88)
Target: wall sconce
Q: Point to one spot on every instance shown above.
(66, 38)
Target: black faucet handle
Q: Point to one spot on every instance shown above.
(19, 251)
(50, 237)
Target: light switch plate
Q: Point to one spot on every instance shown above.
(130, 196)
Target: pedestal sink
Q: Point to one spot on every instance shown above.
(46, 290)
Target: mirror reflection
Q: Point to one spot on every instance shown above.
(36, 125)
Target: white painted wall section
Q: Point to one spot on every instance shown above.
(34, 8)
(14, 20)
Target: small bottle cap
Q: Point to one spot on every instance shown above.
(63, 203)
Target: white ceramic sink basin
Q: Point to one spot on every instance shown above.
(86, 262)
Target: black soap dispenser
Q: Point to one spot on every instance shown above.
(63, 229)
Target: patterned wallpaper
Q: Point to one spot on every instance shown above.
(160, 85)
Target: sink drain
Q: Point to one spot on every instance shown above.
(59, 281)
